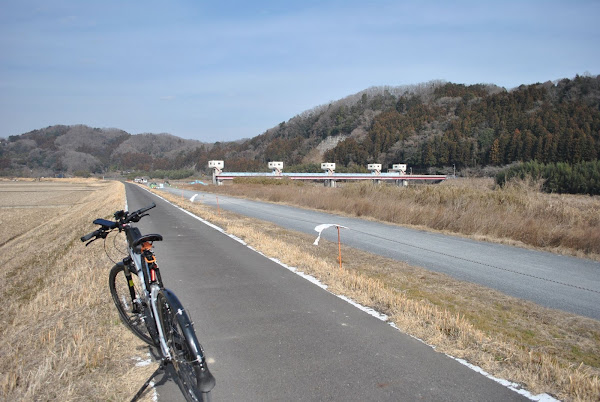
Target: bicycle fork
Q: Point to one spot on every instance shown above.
(134, 299)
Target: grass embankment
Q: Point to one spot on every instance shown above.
(518, 214)
(543, 349)
(61, 338)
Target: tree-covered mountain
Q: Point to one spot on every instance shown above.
(431, 125)
(434, 125)
(69, 149)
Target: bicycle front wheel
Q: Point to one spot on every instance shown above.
(130, 309)
(193, 376)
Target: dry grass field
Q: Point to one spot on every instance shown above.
(60, 337)
(544, 350)
(518, 214)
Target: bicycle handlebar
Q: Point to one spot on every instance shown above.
(122, 218)
(90, 235)
(129, 217)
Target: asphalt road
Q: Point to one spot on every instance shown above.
(559, 282)
(274, 336)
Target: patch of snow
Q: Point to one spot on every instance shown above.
(508, 384)
(142, 362)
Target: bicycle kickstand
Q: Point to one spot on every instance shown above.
(160, 368)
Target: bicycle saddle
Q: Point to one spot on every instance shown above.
(145, 238)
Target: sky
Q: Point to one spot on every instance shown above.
(226, 70)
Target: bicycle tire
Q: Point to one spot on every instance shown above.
(185, 362)
(134, 320)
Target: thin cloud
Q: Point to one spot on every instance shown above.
(266, 61)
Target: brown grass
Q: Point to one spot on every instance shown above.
(60, 337)
(545, 350)
(517, 214)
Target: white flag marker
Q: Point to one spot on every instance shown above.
(319, 229)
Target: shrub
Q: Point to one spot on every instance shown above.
(82, 173)
(580, 178)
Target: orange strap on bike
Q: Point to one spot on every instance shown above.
(147, 246)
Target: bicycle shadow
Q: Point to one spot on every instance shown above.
(164, 382)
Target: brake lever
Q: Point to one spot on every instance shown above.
(137, 218)
(101, 235)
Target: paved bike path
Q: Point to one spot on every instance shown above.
(559, 282)
(274, 336)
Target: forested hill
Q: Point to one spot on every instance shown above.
(440, 124)
(434, 125)
(60, 149)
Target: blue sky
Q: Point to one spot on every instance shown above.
(225, 70)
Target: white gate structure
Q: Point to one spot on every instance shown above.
(397, 174)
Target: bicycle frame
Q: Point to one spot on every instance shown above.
(150, 289)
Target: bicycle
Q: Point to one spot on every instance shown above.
(152, 312)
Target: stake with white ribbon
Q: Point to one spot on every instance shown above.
(319, 229)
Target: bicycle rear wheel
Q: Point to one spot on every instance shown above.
(193, 376)
(130, 311)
